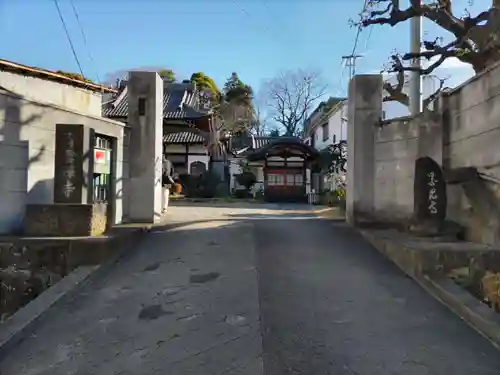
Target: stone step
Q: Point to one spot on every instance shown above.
(420, 255)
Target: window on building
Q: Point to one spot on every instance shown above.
(275, 179)
(142, 106)
(324, 127)
(299, 180)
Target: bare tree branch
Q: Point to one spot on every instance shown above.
(476, 38)
(291, 95)
(395, 92)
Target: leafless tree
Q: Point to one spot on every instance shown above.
(260, 124)
(290, 96)
(476, 39)
(394, 92)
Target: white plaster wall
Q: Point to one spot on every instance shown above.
(27, 149)
(194, 158)
(259, 174)
(195, 153)
(337, 129)
(197, 149)
(69, 97)
(234, 168)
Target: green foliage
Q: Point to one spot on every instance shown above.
(205, 185)
(246, 179)
(77, 76)
(333, 198)
(167, 75)
(333, 158)
(235, 107)
(206, 84)
(235, 91)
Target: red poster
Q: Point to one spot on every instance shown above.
(99, 156)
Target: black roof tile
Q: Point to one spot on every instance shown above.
(183, 137)
(179, 102)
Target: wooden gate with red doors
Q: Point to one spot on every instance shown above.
(285, 161)
(285, 184)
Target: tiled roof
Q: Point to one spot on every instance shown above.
(295, 142)
(32, 71)
(240, 145)
(262, 141)
(179, 102)
(183, 137)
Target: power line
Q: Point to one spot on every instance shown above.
(351, 63)
(351, 59)
(370, 30)
(338, 87)
(263, 25)
(69, 37)
(85, 40)
(360, 28)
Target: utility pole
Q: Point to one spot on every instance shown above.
(415, 76)
(351, 63)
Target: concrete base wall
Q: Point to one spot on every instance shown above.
(65, 220)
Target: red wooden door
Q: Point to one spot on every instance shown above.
(285, 184)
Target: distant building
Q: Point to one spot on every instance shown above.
(326, 126)
(186, 125)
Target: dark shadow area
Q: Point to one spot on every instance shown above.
(216, 202)
(16, 161)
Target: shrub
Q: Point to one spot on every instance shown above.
(241, 193)
(202, 186)
(246, 179)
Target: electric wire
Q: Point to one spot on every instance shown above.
(84, 38)
(68, 36)
(264, 27)
(360, 28)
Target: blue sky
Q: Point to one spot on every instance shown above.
(256, 38)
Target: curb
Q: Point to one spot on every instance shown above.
(329, 213)
(481, 318)
(22, 323)
(463, 304)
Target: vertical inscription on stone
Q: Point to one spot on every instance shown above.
(429, 190)
(68, 184)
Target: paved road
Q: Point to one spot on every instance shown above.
(253, 291)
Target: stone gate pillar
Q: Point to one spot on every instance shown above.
(145, 118)
(364, 112)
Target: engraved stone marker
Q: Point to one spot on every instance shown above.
(68, 175)
(429, 191)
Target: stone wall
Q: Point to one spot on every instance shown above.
(472, 123)
(464, 131)
(27, 150)
(65, 220)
